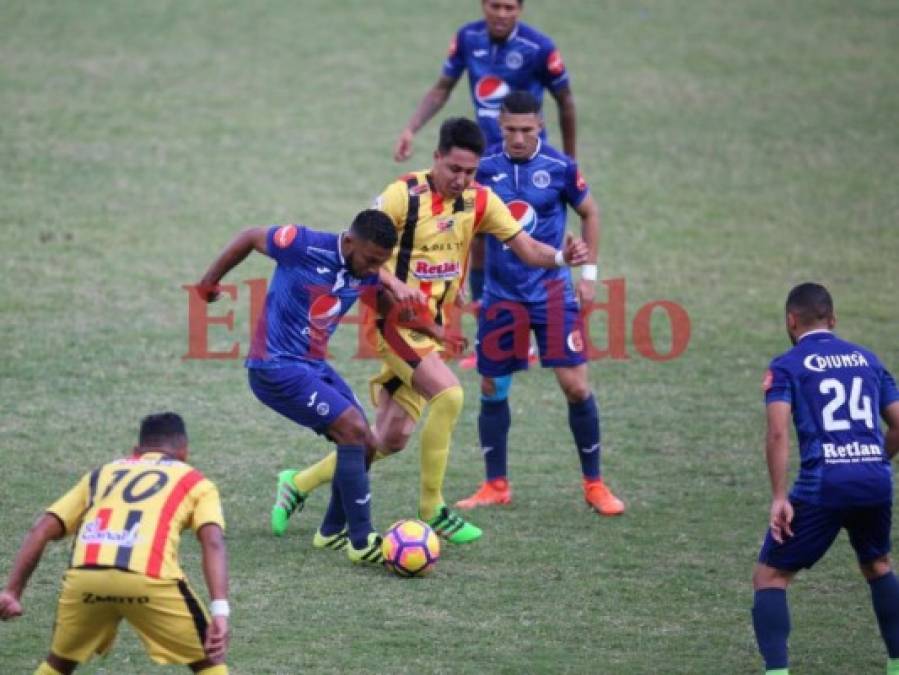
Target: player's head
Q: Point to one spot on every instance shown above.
(521, 123)
(459, 149)
(501, 16)
(808, 307)
(369, 242)
(163, 432)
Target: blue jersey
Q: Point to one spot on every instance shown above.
(837, 391)
(538, 192)
(310, 290)
(527, 60)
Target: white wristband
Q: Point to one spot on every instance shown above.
(220, 608)
(560, 259)
(589, 272)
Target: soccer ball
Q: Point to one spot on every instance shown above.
(410, 548)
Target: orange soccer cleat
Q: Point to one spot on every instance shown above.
(600, 498)
(491, 493)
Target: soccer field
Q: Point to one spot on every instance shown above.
(736, 149)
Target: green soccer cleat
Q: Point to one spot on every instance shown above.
(370, 554)
(335, 542)
(287, 501)
(453, 527)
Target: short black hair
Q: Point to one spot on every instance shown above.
(810, 302)
(162, 429)
(460, 132)
(520, 103)
(375, 226)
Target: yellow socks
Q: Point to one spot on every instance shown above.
(443, 411)
(318, 474)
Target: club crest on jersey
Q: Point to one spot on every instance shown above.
(768, 380)
(285, 235)
(524, 213)
(579, 181)
(514, 60)
(444, 224)
(324, 311)
(419, 189)
(541, 179)
(554, 63)
(490, 91)
(445, 270)
(575, 341)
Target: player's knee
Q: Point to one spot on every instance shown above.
(349, 429)
(496, 388)
(876, 568)
(765, 576)
(576, 392)
(449, 402)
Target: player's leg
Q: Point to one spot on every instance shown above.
(583, 420)
(56, 665)
(814, 530)
(434, 380)
(869, 534)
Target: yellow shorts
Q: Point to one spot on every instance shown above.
(165, 613)
(397, 369)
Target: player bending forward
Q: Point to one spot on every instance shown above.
(436, 213)
(834, 391)
(126, 518)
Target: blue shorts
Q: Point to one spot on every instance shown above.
(816, 527)
(312, 395)
(504, 336)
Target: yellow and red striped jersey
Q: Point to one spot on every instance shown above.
(435, 234)
(129, 514)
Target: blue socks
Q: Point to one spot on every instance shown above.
(350, 486)
(771, 620)
(335, 518)
(583, 418)
(493, 429)
(476, 282)
(885, 598)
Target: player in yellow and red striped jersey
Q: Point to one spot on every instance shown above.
(126, 518)
(436, 213)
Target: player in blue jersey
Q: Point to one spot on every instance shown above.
(501, 54)
(834, 391)
(538, 184)
(317, 278)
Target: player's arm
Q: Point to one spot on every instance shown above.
(434, 99)
(400, 292)
(890, 415)
(777, 453)
(567, 119)
(588, 210)
(537, 254)
(416, 316)
(47, 528)
(215, 571)
(251, 239)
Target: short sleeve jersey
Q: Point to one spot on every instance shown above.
(527, 60)
(129, 514)
(311, 288)
(836, 390)
(538, 192)
(435, 234)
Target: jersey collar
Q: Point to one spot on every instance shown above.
(509, 38)
(524, 161)
(817, 334)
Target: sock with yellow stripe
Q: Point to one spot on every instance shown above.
(316, 475)
(436, 433)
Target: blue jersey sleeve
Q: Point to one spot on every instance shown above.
(576, 188)
(552, 71)
(454, 65)
(888, 391)
(777, 385)
(285, 244)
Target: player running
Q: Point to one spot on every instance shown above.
(317, 278)
(501, 54)
(436, 213)
(126, 517)
(834, 391)
(537, 183)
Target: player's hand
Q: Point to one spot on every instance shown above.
(10, 607)
(403, 148)
(218, 636)
(403, 294)
(453, 343)
(586, 292)
(575, 251)
(781, 520)
(209, 292)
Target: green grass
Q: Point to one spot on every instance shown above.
(736, 148)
